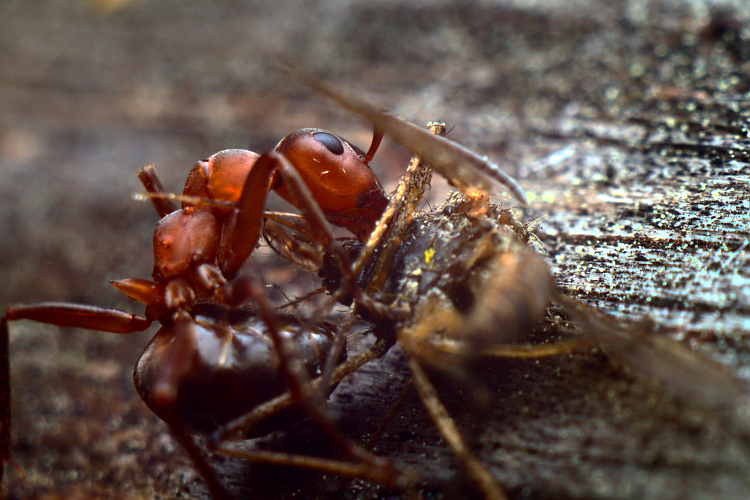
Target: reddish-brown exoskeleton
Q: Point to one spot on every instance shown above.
(198, 252)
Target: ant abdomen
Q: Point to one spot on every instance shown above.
(233, 370)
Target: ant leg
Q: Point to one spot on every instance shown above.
(242, 231)
(65, 314)
(60, 314)
(321, 230)
(390, 416)
(334, 354)
(245, 231)
(378, 433)
(4, 397)
(177, 361)
(151, 182)
(336, 467)
(187, 441)
(246, 289)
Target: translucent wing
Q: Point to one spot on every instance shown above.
(463, 168)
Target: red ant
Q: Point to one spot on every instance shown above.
(198, 252)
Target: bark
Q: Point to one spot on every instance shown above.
(626, 125)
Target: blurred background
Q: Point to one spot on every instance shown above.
(605, 111)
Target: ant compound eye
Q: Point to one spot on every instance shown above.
(330, 141)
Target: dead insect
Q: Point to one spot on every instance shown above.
(474, 285)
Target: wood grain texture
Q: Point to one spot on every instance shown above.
(626, 124)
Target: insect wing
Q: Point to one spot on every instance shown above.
(684, 371)
(463, 168)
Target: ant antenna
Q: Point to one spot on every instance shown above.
(190, 200)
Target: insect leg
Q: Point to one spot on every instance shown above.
(151, 182)
(479, 473)
(4, 397)
(360, 470)
(65, 314)
(61, 314)
(187, 441)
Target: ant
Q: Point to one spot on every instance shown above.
(198, 252)
(206, 350)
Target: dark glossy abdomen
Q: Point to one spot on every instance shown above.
(234, 370)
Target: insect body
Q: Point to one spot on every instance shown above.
(475, 267)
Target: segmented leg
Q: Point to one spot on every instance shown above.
(4, 397)
(65, 314)
(479, 473)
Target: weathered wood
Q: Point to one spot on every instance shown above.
(626, 125)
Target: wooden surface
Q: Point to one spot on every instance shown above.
(625, 123)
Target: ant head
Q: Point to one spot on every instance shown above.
(338, 177)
